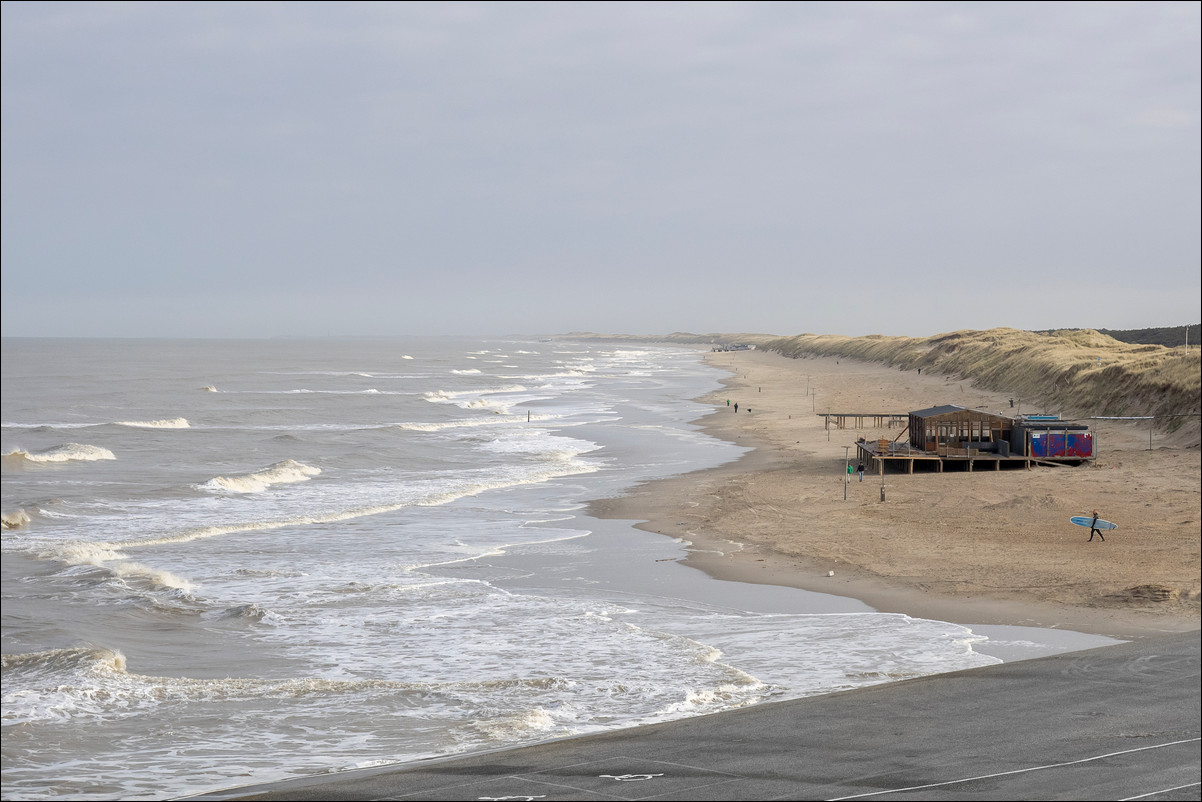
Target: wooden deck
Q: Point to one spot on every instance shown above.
(880, 420)
(870, 454)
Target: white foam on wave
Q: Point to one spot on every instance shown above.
(568, 374)
(474, 422)
(158, 578)
(67, 452)
(285, 472)
(519, 726)
(112, 560)
(96, 683)
(452, 396)
(435, 495)
(17, 519)
(479, 398)
(77, 552)
(539, 442)
(487, 405)
(307, 391)
(166, 423)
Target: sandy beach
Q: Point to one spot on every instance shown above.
(987, 547)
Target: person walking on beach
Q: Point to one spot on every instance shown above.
(736, 406)
(860, 470)
(1093, 528)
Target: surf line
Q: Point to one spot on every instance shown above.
(430, 500)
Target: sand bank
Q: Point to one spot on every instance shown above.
(971, 548)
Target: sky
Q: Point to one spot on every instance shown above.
(359, 169)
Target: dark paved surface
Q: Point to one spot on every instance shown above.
(1120, 722)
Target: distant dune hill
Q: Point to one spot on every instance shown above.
(1166, 335)
(1077, 372)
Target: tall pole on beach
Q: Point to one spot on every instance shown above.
(882, 480)
(846, 472)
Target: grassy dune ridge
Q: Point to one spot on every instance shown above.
(1076, 372)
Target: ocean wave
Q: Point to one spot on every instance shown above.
(158, 579)
(539, 442)
(519, 726)
(94, 682)
(58, 662)
(489, 406)
(270, 572)
(487, 479)
(445, 396)
(473, 422)
(208, 388)
(166, 423)
(458, 424)
(248, 612)
(66, 452)
(46, 427)
(285, 472)
(18, 519)
(369, 391)
(114, 564)
(477, 398)
(78, 552)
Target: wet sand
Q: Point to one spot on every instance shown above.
(987, 547)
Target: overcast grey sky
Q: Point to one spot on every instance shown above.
(243, 170)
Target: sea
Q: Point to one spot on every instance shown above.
(231, 562)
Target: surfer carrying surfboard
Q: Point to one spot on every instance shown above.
(1096, 525)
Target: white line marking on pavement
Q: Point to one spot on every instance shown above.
(1016, 771)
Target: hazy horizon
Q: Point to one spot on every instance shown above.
(259, 170)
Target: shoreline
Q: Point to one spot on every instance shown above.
(778, 515)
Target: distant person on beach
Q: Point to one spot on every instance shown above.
(860, 470)
(736, 406)
(849, 470)
(1093, 528)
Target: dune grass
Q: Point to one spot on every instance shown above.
(1077, 372)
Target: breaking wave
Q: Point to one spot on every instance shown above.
(285, 472)
(66, 452)
(15, 520)
(166, 423)
(452, 396)
(477, 399)
(94, 682)
(434, 495)
(468, 423)
(114, 564)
